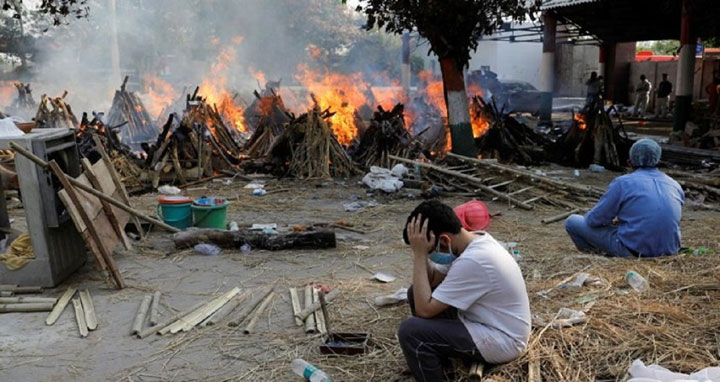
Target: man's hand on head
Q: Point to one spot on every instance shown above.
(417, 231)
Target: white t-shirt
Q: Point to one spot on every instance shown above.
(486, 285)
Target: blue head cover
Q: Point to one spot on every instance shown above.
(645, 153)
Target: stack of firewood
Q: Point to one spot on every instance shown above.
(127, 110)
(222, 137)
(386, 135)
(506, 139)
(270, 118)
(55, 113)
(307, 148)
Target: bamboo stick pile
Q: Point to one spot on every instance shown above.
(53, 112)
(128, 111)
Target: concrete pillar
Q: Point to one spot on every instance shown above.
(547, 73)
(686, 69)
(405, 68)
(601, 60)
(608, 59)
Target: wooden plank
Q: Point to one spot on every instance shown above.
(60, 306)
(104, 255)
(89, 309)
(27, 300)
(107, 208)
(520, 191)
(119, 185)
(159, 327)
(33, 307)
(501, 184)
(207, 310)
(319, 317)
(226, 309)
(311, 307)
(80, 318)
(248, 308)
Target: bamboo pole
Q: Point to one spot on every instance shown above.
(188, 321)
(553, 219)
(309, 318)
(140, 315)
(21, 290)
(89, 309)
(170, 320)
(245, 312)
(26, 300)
(258, 312)
(80, 318)
(154, 307)
(476, 371)
(226, 309)
(295, 305)
(319, 318)
(468, 178)
(325, 315)
(60, 306)
(534, 177)
(95, 192)
(33, 307)
(312, 307)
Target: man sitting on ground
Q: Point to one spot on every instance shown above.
(479, 311)
(639, 215)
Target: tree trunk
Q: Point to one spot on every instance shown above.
(257, 240)
(458, 108)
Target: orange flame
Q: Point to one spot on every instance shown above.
(342, 93)
(258, 75)
(7, 92)
(580, 121)
(160, 93)
(214, 89)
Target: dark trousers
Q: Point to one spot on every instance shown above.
(429, 343)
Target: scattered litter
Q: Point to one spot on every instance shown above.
(511, 247)
(19, 253)
(596, 168)
(383, 179)
(383, 277)
(356, 206)
(225, 181)
(233, 226)
(566, 318)
(207, 249)
(540, 172)
(259, 192)
(169, 190)
(637, 282)
(656, 373)
(8, 128)
(576, 172)
(399, 170)
(254, 185)
(361, 247)
(270, 229)
(245, 248)
(398, 296)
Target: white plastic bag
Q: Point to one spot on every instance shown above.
(656, 373)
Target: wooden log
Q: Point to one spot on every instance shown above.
(18, 149)
(6, 293)
(80, 318)
(310, 325)
(247, 309)
(471, 179)
(140, 315)
(187, 323)
(89, 309)
(226, 309)
(169, 321)
(531, 176)
(60, 306)
(322, 239)
(295, 299)
(154, 308)
(27, 300)
(311, 308)
(319, 317)
(112, 218)
(33, 307)
(561, 216)
(258, 312)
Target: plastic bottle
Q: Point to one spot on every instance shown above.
(637, 282)
(207, 249)
(233, 226)
(308, 371)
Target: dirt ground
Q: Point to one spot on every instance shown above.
(622, 326)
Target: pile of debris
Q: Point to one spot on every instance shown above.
(702, 134)
(55, 113)
(127, 110)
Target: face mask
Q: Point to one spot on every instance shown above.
(443, 258)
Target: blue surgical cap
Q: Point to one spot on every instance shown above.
(645, 153)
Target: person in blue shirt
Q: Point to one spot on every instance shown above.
(639, 215)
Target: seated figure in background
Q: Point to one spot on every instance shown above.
(639, 215)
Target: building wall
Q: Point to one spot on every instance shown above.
(510, 60)
(573, 66)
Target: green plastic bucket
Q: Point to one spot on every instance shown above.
(210, 216)
(175, 211)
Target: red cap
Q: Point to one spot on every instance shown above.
(474, 215)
